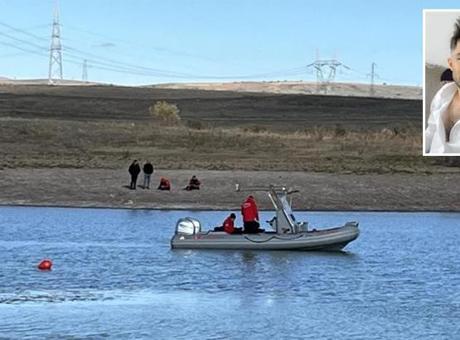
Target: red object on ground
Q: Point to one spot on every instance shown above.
(45, 265)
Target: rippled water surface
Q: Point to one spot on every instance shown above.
(115, 276)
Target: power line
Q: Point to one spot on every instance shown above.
(22, 48)
(109, 64)
(9, 55)
(137, 69)
(11, 28)
(137, 45)
(40, 47)
(326, 69)
(123, 67)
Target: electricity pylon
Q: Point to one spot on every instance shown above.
(325, 72)
(55, 66)
(373, 75)
(84, 75)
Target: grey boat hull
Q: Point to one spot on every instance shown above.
(326, 240)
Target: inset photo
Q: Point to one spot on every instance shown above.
(441, 98)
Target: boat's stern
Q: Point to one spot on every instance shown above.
(185, 227)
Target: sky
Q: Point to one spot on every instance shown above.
(134, 42)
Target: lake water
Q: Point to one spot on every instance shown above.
(115, 276)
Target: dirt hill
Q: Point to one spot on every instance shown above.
(300, 87)
(203, 108)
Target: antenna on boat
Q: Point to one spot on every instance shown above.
(271, 187)
(238, 187)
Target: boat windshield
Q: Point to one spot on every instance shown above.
(288, 211)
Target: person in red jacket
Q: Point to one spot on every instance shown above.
(250, 216)
(229, 225)
(164, 184)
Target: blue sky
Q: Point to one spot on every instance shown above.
(153, 41)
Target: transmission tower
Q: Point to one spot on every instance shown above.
(326, 70)
(55, 67)
(373, 75)
(84, 73)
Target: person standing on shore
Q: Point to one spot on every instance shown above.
(148, 171)
(134, 170)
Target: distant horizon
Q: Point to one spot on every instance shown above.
(204, 82)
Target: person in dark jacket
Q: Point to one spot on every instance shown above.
(134, 170)
(148, 171)
(193, 184)
(250, 216)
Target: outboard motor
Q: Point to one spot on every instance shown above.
(188, 226)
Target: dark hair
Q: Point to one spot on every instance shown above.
(232, 215)
(456, 35)
(447, 75)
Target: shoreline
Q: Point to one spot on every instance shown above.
(14, 205)
(106, 188)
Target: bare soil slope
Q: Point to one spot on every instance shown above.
(108, 188)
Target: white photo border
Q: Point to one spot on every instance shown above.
(425, 11)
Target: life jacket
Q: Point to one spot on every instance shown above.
(249, 210)
(229, 225)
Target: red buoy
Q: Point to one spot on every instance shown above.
(45, 265)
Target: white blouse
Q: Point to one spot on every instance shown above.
(435, 133)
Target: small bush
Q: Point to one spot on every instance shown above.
(165, 112)
(255, 129)
(339, 131)
(196, 125)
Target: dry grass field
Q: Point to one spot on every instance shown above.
(106, 127)
(101, 144)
